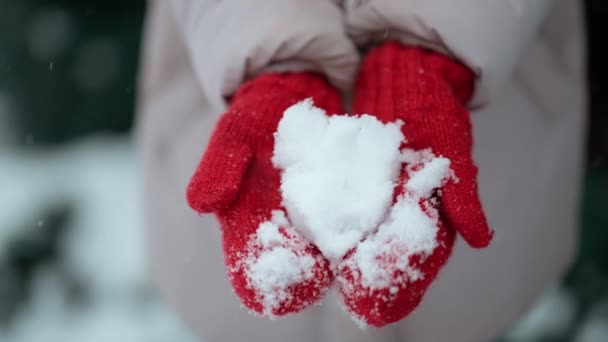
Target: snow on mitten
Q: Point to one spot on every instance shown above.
(385, 277)
(273, 269)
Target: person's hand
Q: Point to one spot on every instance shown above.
(272, 268)
(429, 93)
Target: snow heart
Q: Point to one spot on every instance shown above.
(342, 191)
(339, 175)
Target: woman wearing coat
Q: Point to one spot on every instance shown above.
(526, 99)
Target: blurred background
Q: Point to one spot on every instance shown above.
(71, 245)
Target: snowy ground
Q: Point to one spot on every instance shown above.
(103, 246)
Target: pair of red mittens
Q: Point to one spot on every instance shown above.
(274, 270)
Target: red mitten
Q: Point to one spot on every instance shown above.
(428, 92)
(272, 268)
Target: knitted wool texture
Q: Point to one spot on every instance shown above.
(236, 180)
(428, 92)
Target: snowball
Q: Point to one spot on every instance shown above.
(338, 174)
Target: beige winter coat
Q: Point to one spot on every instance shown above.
(529, 121)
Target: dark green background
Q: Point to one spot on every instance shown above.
(52, 107)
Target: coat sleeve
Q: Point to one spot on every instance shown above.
(231, 40)
(487, 35)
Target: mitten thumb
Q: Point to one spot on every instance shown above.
(217, 179)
